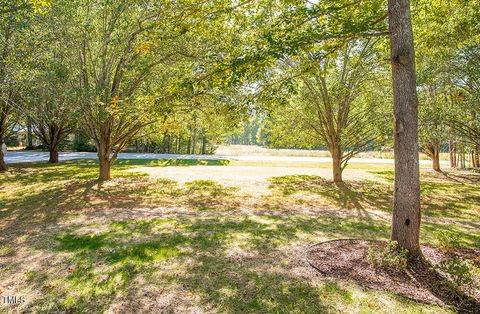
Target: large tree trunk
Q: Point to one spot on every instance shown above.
(406, 196)
(105, 167)
(53, 156)
(104, 162)
(336, 153)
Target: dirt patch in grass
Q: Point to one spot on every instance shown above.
(421, 281)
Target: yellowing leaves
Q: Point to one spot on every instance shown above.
(145, 48)
(40, 5)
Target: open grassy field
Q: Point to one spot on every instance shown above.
(252, 150)
(186, 236)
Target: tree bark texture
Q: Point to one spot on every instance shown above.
(3, 165)
(104, 163)
(451, 154)
(476, 157)
(433, 152)
(406, 197)
(29, 134)
(3, 118)
(336, 153)
(53, 156)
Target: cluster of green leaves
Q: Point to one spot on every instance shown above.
(342, 97)
(389, 255)
(446, 37)
(464, 273)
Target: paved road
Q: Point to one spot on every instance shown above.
(17, 157)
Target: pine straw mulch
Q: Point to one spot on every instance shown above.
(347, 259)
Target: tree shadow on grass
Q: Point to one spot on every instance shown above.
(358, 195)
(50, 192)
(441, 287)
(449, 194)
(102, 267)
(461, 177)
(111, 261)
(452, 236)
(421, 281)
(208, 194)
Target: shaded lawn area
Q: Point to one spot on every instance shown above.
(72, 244)
(450, 195)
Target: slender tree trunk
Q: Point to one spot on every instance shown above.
(194, 140)
(436, 157)
(3, 122)
(204, 145)
(53, 156)
(3, 165)
(461, 157)
(169, 144)
(406, 196)
(472, 159)
(455, 155)
(188, 144)
(29, 134)
(476, 156)
(450, 153)
(336, 153)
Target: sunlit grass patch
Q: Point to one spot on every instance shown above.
(5, 250)
(177, 162)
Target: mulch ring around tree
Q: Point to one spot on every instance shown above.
(348, 259)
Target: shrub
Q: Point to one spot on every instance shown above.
(12, 141)
(447, 241)
(388, 256)
(463, 273)
(81, 143)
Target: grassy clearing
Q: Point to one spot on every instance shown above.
(313, 164)
(72, 244)
(309, 164)
(252, 150)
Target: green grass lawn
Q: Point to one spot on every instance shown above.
(72, 244)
